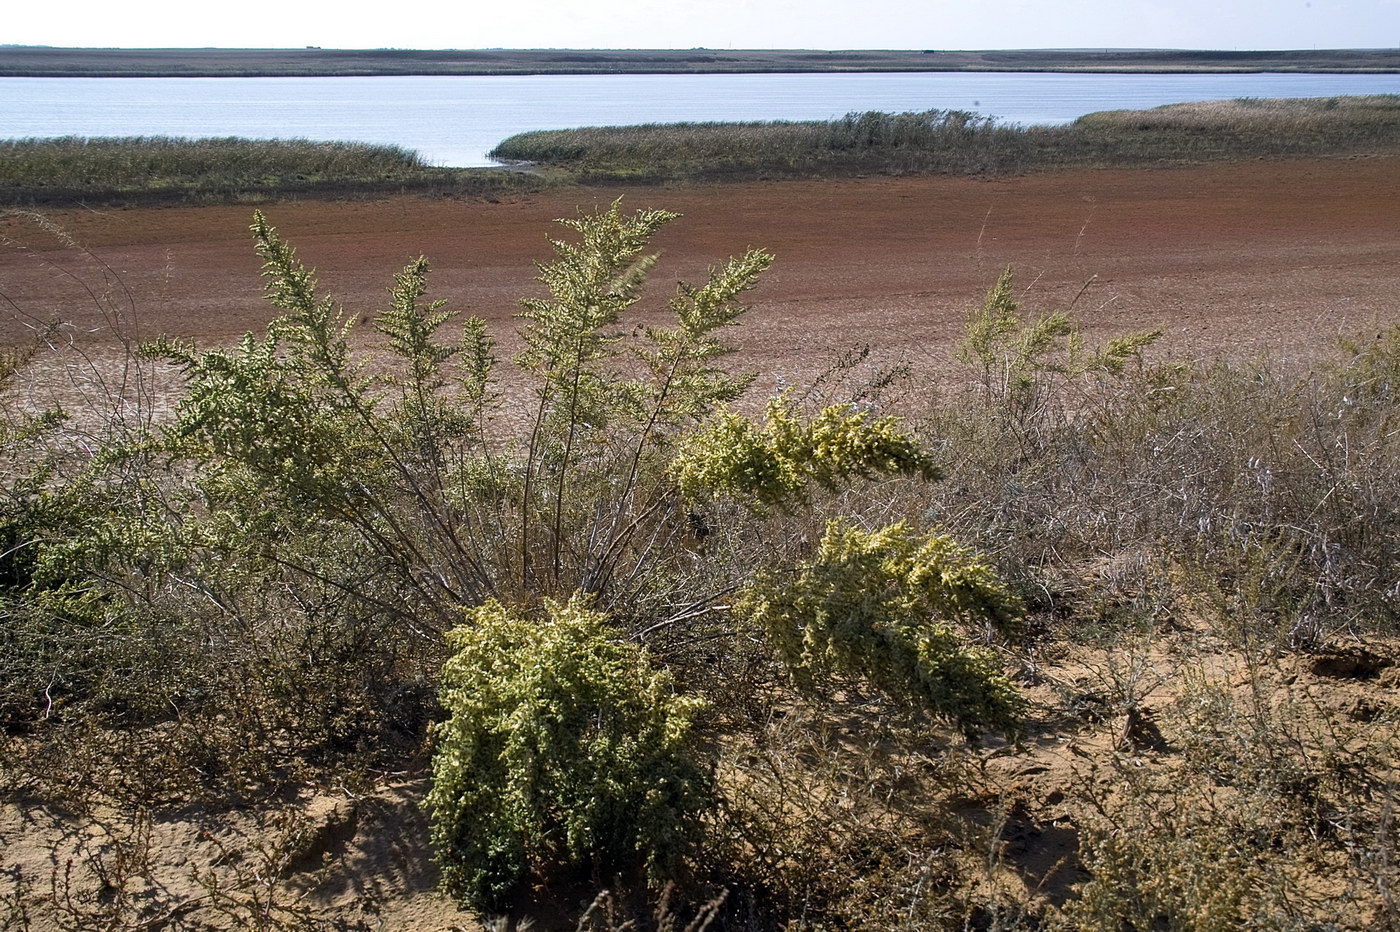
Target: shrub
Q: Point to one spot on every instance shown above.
(1018, 360)
(564, 749)
(881, 605)
(775, 465)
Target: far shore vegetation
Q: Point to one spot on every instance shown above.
(161, 170)
(963, 143)
(155, 170)
(41, 61)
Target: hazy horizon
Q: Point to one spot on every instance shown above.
(679, 48)
(1245, 25)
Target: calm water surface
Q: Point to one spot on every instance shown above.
(455, 120)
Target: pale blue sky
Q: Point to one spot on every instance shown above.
(819, 24)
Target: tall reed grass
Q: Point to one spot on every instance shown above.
(163, 168)
(959, 142)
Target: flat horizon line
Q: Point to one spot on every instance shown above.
(1077, 50)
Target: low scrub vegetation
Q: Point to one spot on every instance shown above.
(1095, 640)
(158, 169)
(958, 142)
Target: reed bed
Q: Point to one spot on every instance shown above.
(171, 169)
(952, 141)
(959, 142)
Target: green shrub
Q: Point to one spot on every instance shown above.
(1018, 360)
(776, 464)
(881, 605)
(564, 749)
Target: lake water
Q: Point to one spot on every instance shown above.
(453, 120)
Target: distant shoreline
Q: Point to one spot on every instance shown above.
(44, 61)
(164, 170)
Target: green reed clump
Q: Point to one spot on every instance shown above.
(1241, 129)
(135, 160)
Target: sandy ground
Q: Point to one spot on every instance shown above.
(332, 858)
(1280, 258)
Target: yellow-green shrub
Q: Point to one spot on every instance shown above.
(775, 464)
(564, 748)
(883, 605)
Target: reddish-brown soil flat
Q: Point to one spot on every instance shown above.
(1236, 260)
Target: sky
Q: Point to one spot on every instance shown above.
(719, 24)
